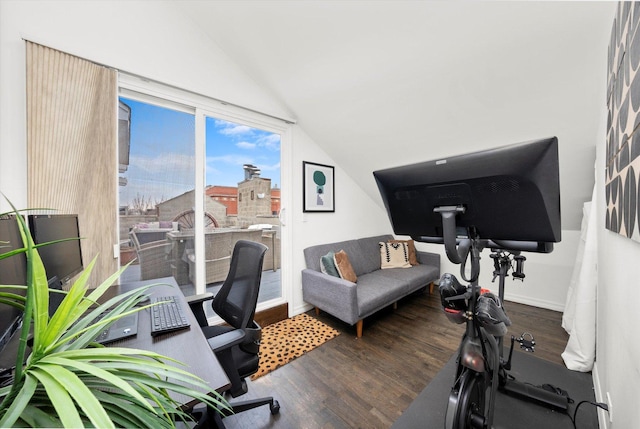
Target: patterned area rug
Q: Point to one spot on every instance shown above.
(288, 339)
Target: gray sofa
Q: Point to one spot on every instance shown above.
(375, 288)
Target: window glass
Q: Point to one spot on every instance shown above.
(242, 192)
(156, 191)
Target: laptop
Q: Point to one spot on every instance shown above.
(124, 327)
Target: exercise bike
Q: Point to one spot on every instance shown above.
(481, 368)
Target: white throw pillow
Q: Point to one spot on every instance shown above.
(394, 255)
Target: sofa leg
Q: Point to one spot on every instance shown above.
(395, 306)
(317, 311)
(359, 328)
(431, 288)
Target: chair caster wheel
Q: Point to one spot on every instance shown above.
(275, 407)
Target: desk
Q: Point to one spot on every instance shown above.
(188, 346)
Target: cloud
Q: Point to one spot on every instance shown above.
(231, 129)
(161, 165)
(272, 167)
(231, 159)
(245, 145)
(269, 141)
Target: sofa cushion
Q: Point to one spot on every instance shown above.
(376, 292)
(328, 265)
(370, 253)
(413, 278)
(394, 255)
(411, 245)
(344, 266)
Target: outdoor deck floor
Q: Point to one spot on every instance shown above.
(270, 285)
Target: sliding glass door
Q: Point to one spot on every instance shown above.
(242, 196)
(195, 176)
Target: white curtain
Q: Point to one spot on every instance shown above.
(579, 318)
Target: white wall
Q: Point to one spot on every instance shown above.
(617, 367)
(356, 214)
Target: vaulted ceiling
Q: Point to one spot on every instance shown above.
(384, 83)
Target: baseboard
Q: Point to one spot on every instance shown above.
(603, 417)
(272, 315)
(300, 309)
(535, 302)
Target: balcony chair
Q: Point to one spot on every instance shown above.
(237, 344)
(154, 257)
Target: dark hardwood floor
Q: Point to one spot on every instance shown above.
(369, 382)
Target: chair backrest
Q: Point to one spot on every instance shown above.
(236, 301)
(134, 240)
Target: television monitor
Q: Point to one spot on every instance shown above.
(510, 193)
(13, 271)
(64, 259)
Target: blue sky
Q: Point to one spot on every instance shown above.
(162, 153)
(231, 145)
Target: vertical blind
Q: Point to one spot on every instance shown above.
(71, 147)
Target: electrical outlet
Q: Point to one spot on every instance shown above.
(610, 405)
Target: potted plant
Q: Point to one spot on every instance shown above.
(68, 380)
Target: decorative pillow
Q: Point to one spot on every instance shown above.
(394, 255)
(344, 266)
(413, 256)
(328, 266)
(165, 224)
(142, 226)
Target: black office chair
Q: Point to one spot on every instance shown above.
(237, 345)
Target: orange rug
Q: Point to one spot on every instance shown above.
(289, 339)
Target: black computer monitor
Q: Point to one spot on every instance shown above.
(63, 259)
(13, 271)
(507, 193)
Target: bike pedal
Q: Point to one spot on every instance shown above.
(527, 342)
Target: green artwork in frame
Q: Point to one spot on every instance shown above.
(318, 187)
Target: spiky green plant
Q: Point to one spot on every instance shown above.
(68, 380)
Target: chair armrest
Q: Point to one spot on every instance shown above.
(154, 251)
(226, 340)
(331, 294)
(196, 305)
(192, 258)
(155, 244)
(200, 298)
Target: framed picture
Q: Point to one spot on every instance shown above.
(318, 187)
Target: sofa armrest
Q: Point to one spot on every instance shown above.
(334, 295)
(428, 258)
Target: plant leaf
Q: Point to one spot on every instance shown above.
(60, 398)
(34, 417)
(96, 371)
(20, 402)
(62, 385)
